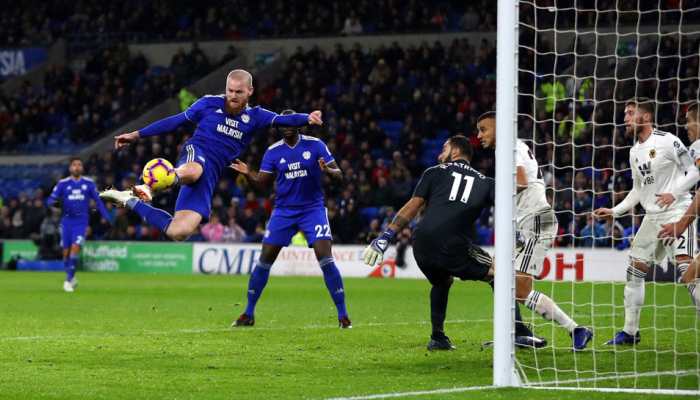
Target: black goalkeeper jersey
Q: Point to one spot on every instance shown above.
(455, 194)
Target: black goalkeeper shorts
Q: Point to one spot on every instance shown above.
(468, 264)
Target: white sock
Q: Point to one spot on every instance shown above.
(549, 310)
(694, 290)
(682, 267)
(634, 299)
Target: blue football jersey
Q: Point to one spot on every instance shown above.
(298, 175)
(222, 136)
(75, 196)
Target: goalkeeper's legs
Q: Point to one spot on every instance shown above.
(540, 302)
(691, 278)
(439, 294)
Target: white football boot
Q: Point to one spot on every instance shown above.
(118, 197)
(68, 287)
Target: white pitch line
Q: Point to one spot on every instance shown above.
(416, 393)
(628, 375)
(213, 330)
(679, 392)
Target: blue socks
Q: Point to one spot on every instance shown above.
(256, 284)
(69, 266)
(331, 275)
(154, 216)
(334, 283)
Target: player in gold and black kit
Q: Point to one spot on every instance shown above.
(453, 195)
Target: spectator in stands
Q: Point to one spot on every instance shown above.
(233, 233)
(352, 25)
(593, 234)
(49, 240)
(213, 231)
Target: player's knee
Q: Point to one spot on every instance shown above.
(179, 232)
(444, 282)
(189, 173)
(523, 287)
(639, 265)
(690, 274)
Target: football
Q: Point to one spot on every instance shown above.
(158, 174)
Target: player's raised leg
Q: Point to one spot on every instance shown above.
(333, 280)
(538, 232)
(257, 282)
(194, 200)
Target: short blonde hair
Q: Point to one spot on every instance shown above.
(241, 74)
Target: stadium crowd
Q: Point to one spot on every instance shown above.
(388, 111)
(76, 107)
(33, 22)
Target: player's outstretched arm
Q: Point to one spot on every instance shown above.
(331, 169)
(292, 120)
(685, 181)
(101, 205)
(374, 253)
(676, 229)
(159, 127)
(259, 180)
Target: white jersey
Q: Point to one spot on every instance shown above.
(694, 151)
(660, 165)
(533, 199)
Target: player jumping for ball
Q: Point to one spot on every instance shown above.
(225, 126)
(298, 163)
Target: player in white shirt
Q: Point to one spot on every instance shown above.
(690, 276)
(662, 175)
(536, 229)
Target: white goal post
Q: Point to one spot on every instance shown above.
(506, 116)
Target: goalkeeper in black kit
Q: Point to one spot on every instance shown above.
(453, 195)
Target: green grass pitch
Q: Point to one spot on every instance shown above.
(136, 336)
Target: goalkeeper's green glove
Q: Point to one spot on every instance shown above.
(374, 253)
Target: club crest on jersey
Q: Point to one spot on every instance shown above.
(245, 118)
(84, 187)
(652, 153)
(306, 155)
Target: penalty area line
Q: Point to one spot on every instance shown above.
(186, 331)
(415, 393)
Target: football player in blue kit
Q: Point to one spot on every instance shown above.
(225, 126)
(297, 163)
(74, 193)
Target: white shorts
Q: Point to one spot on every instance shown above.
(534, 236)
(647, 247)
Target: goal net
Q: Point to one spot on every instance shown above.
(579, 63)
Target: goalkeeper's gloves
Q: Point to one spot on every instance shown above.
(374, 253)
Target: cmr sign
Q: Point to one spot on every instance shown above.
(222, 259)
